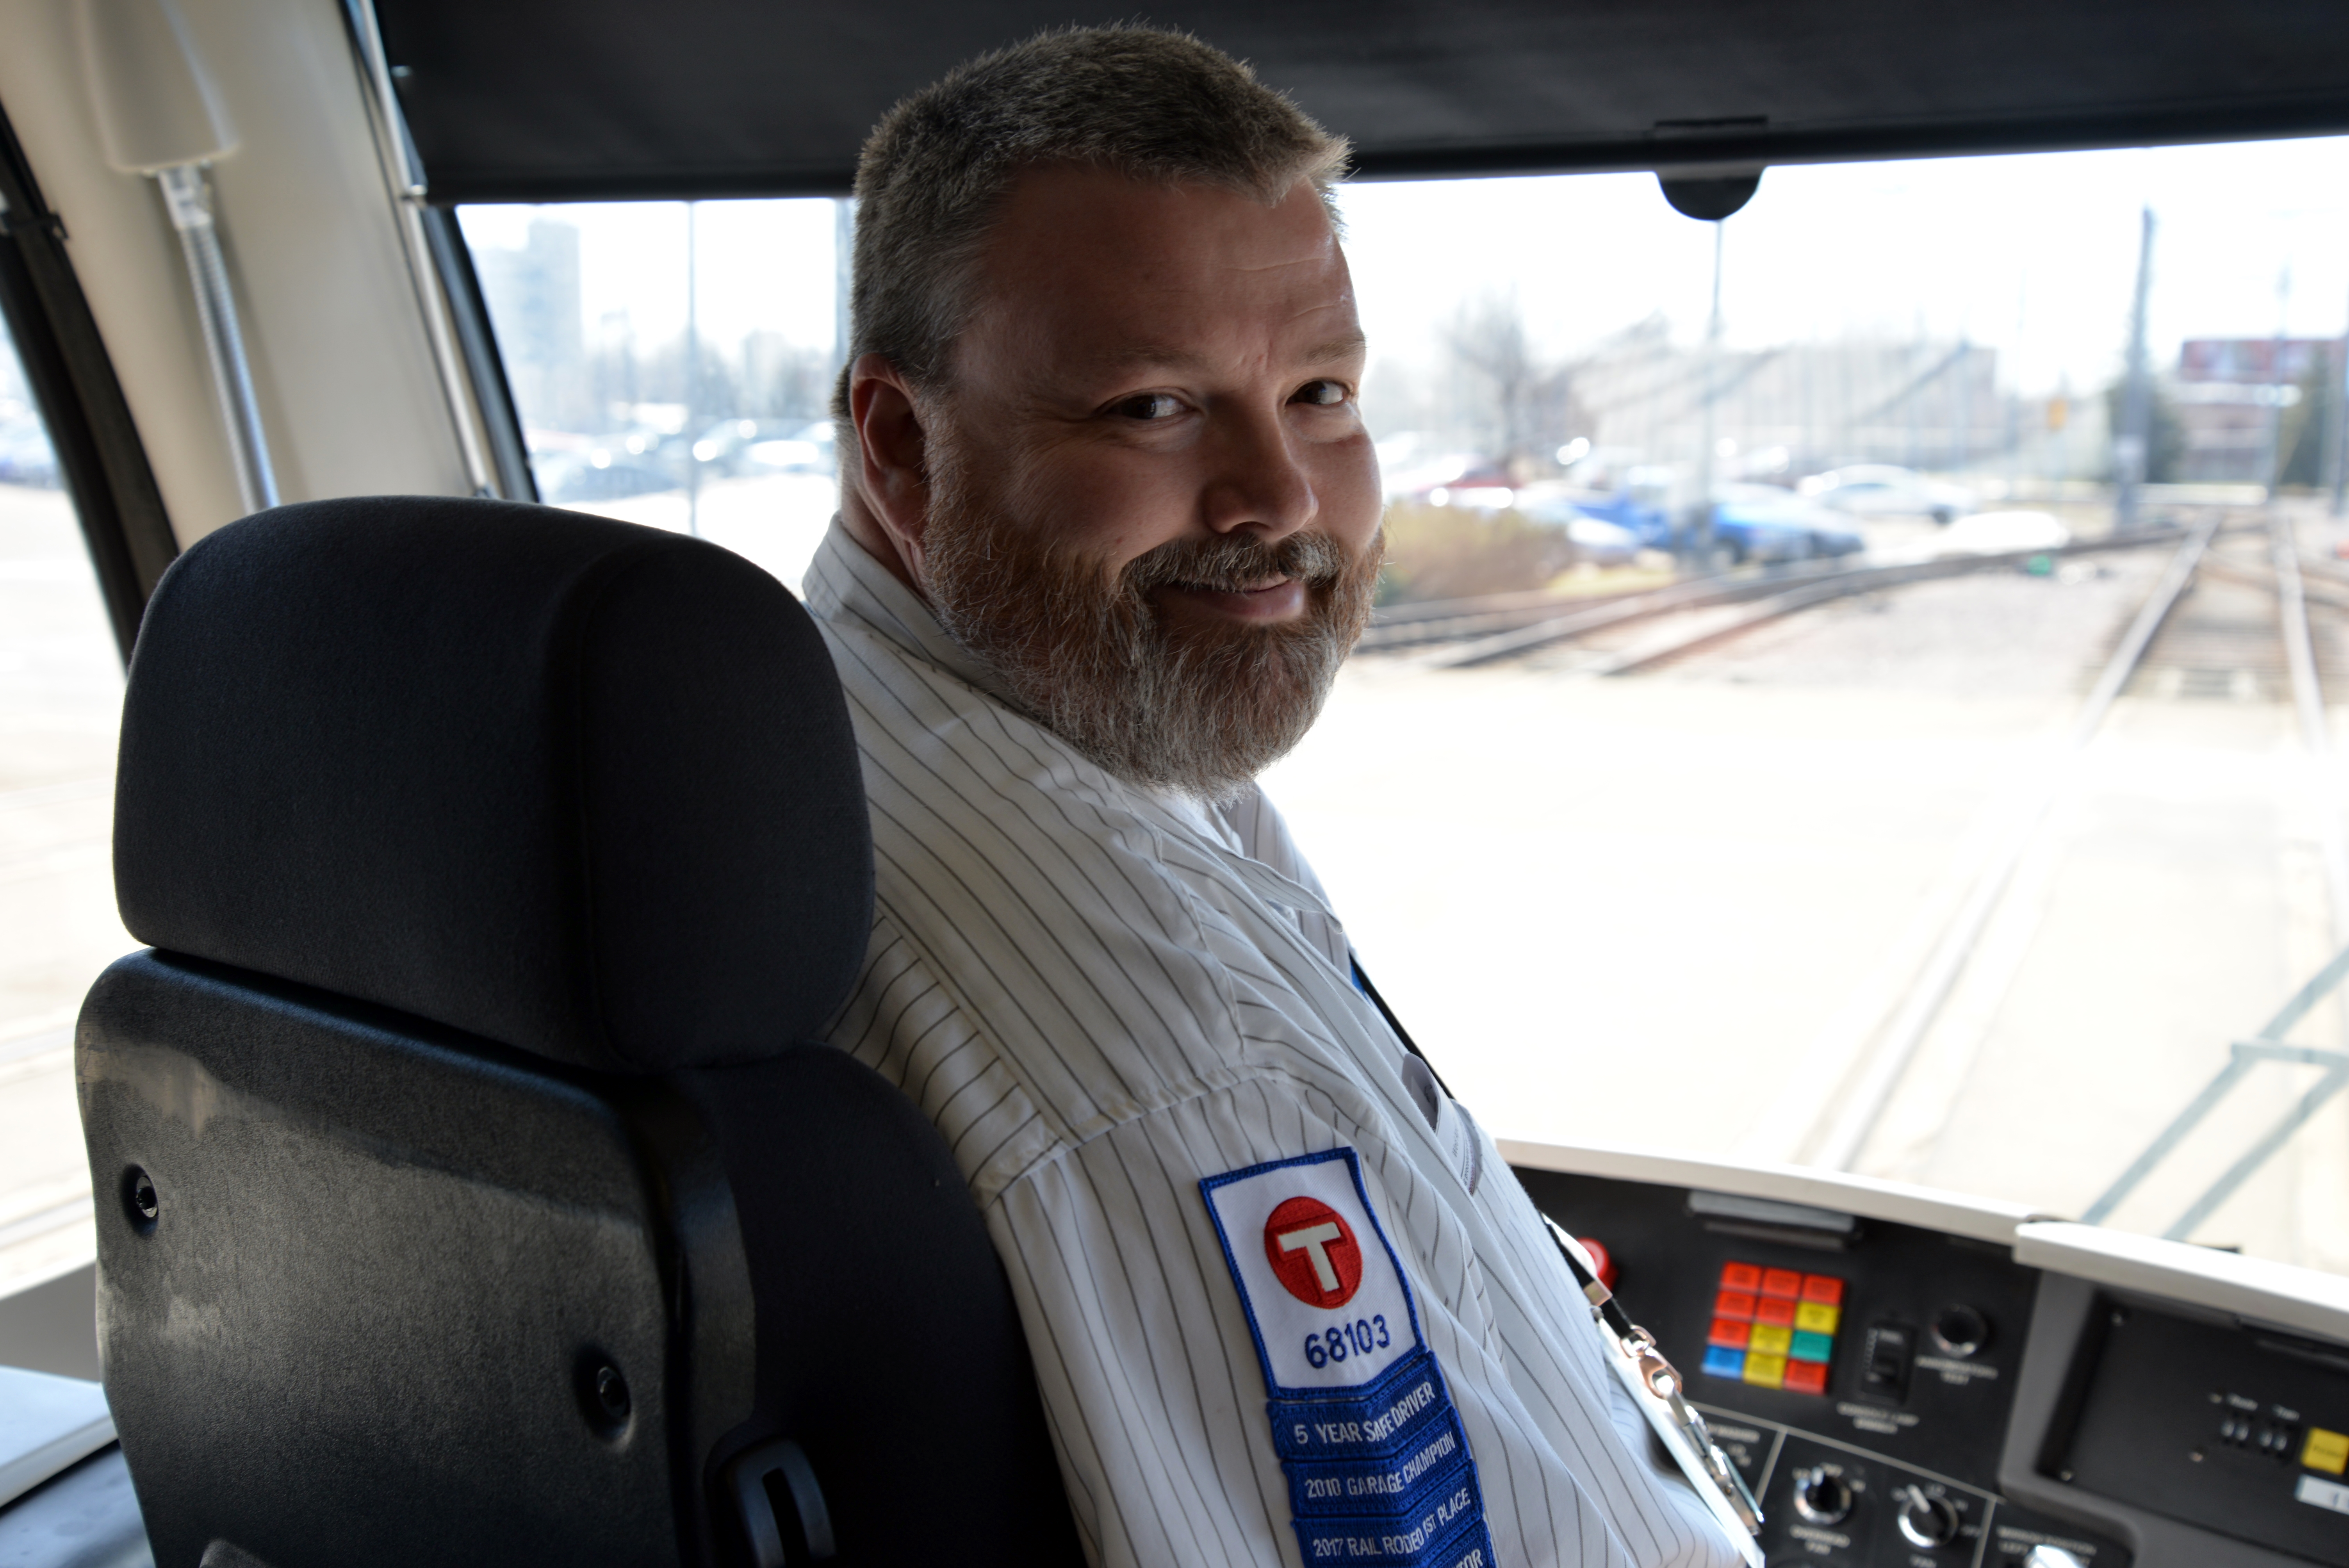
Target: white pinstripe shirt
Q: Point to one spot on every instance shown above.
(1105, 999)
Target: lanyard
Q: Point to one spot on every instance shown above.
(1658, 1387)
(1363, 984)
(1655, 1385)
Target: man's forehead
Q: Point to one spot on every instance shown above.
(1119, 273)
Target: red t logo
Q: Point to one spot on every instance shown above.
(1314, 1252)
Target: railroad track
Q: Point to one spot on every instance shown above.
(1464, 634)
(2235, 611)
(2173, 635)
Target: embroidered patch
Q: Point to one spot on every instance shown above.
(1378, 1466)
(1314, 1252)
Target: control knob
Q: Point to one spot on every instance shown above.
(1925, 1520)
(1821, 1495)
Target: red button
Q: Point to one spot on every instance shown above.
(1822, 1288)
(1784, 1283)
(1728, 1332)
(1600, 1260)
(1777, 1314)
(1806, 1376)
(1732, 1303)
(1739, 1276)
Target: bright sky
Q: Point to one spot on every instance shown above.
(2038, 251)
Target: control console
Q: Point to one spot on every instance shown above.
(2211, 1421)
(1860, 1374)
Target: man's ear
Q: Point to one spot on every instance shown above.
(893, 472)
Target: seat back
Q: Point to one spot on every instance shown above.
(470, 1190)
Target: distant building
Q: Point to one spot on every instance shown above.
(1922, 403)
(533, 298)
(2231, 395)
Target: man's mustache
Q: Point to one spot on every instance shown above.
(1235, 563)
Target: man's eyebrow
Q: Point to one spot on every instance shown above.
(1127, 355)
(1336, 348)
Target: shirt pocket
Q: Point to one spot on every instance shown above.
(1457, 1136)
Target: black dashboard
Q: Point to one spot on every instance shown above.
(1898, 1397)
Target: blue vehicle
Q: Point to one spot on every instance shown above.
(1763, 523)
(1750, 521)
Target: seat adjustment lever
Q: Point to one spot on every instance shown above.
(780, 1506)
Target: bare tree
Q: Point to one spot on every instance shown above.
(1519, 406)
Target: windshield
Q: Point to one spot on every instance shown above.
(671, 362)
(61, 706)
(1752, 757)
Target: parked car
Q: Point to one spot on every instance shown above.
(565, 479)
(1749, 523)
(1594, 539)
(1640, 503)
(1412, 465)
(1884, 489)
(1763, 522)
(806, 449)
(733, 446)
(1601, 543)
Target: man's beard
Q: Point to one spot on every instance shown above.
(1198, 708)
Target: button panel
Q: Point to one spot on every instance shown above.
(1773, 1328)
(1943, 1431)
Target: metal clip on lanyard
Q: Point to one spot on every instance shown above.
(1662, 1379)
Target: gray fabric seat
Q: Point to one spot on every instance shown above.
(470, 1190)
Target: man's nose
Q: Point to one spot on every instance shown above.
(1259, 483)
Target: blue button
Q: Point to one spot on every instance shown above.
(1720, 1363)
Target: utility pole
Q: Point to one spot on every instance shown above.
(2133, 444)
(2014, 396)
(1701, 533)
(692, 372)
(1961, 422)
(1912, 438)
(2336, 430)
(2271, 458)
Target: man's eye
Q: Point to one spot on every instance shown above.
(1322, 394)
(1149, 405)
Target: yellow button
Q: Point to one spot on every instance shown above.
(1818, 1316)
(1769, 1371)
(2327, 1451)
(1771, 1341)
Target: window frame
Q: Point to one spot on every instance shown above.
(100, 457)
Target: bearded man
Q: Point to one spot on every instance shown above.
(1109, 523)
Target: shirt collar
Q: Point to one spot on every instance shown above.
(846, 584)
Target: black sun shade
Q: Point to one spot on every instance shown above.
(567, 99)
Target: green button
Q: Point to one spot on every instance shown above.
(1812, 1346)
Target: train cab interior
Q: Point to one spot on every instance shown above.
(453, 1170)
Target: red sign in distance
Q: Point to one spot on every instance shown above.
(1314, 1252)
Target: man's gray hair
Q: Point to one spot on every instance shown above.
(1153, 105)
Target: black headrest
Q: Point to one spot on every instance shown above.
(582, 788)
